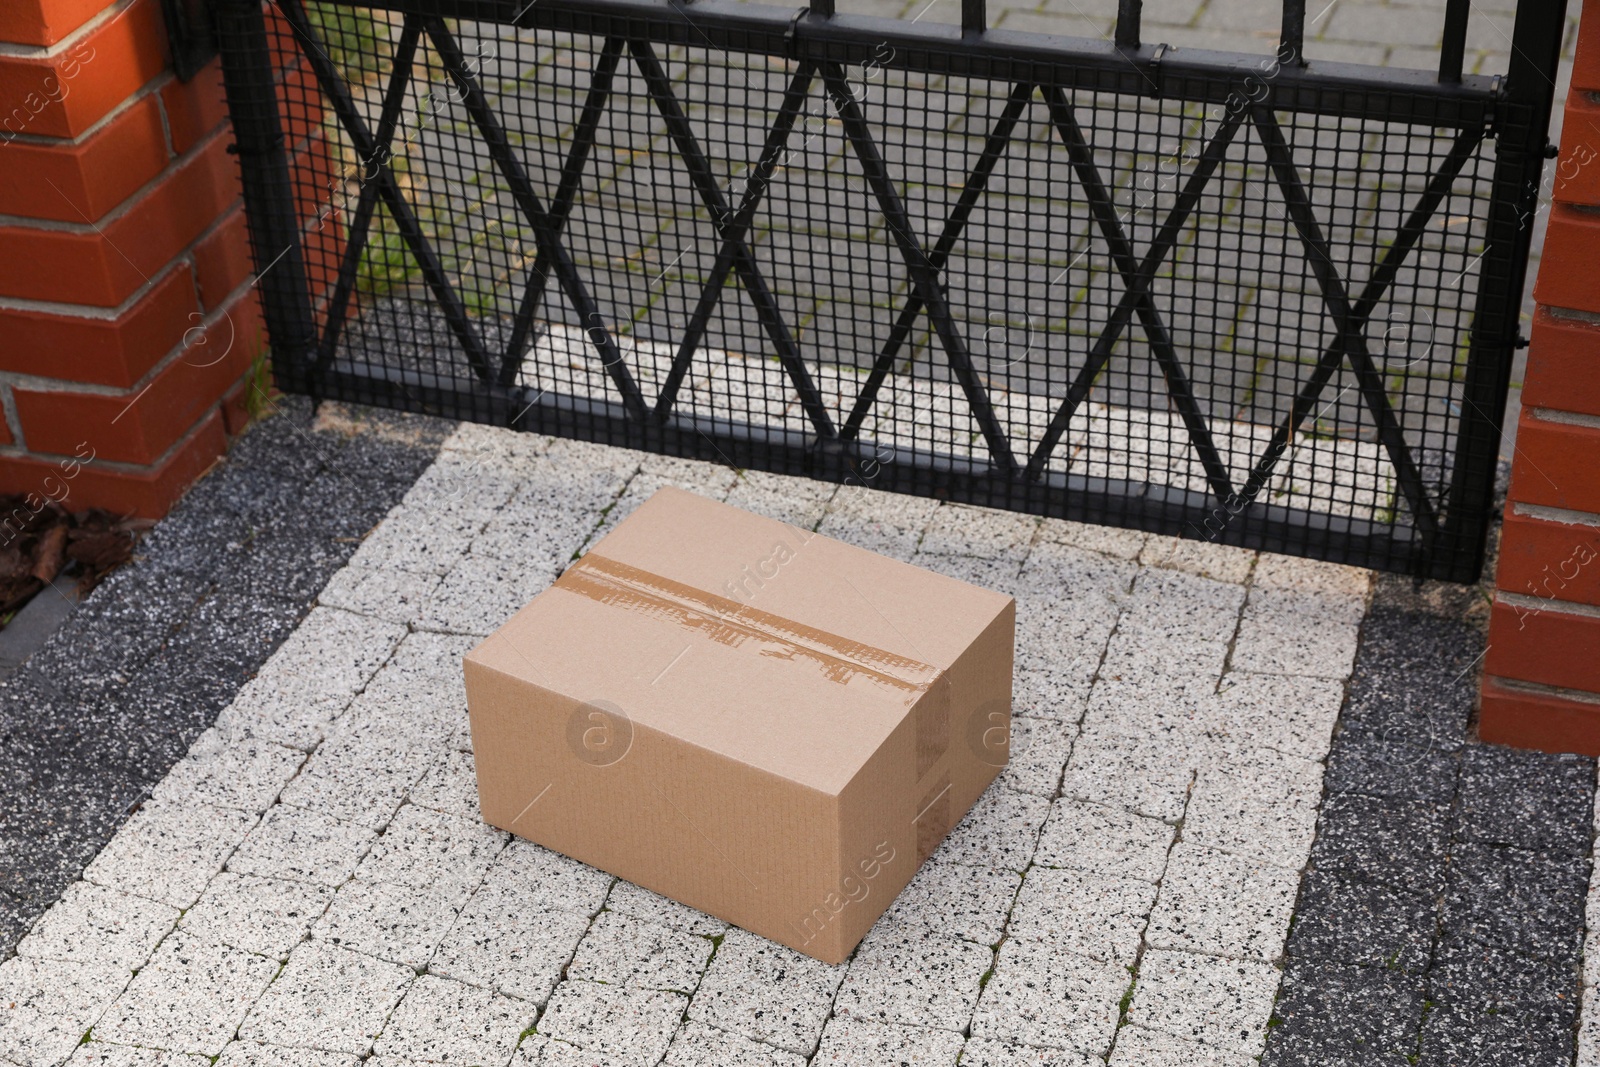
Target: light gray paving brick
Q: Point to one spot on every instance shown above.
(1105, 540)
(1055, 693)
(50, 1004)
(267, 916)
(1039, 752)
(797, 502)
(539, 532)
(312, 677)
(388, 593)
(364, 768)
(627, 1027)
(246, 774)
(450, 786)
(463, 487)
(699, 1045)
(1093, 915)
(97, 924)
(963, 530)
(997, 574)
(255, 1054)
(987, 1052)
(492, 448)
(711, 480)
(422, 847)
(767, 992)
(1040, 995)
(1316, 605)
(1259, 711)
(1172, 610)
(1209, 999)
(1265, 808)
(501, 942)
(1138, 1047)
(447, 1022)
(327, 998)
(1130, 769)
(1589, 1033)
(1104, 840)
(888, 524)
(621, 950)
(307, 846)
(641, 903)
(169, 851)
(190, 997)
(400, 923)
(1219, 903)
(480, 593)
(1288, 644)
(957, 899)
(1164, 708)
(101, 1054)
(915, 976)
(1155, 663)
(419, 540)
(1001, 830)
(855, 1041)
(1223, 563)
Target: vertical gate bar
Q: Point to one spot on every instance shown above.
(974, 16)
(247, 78)
(1524, 120)
(583, 139)
(405, 52)
(1455, 39)
(925, 279)
(1291, 51)
(1128, 12)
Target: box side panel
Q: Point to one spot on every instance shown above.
(923, 780)
(980, 710)
(735, 841)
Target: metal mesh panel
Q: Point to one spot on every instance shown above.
(1230, 301)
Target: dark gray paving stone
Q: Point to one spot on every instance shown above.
(100, 713)
(15, 917)
(1381, 839)
(294, 563)
(1343, 920)
(142, 605)
(1493, 1009)
(1533, 800)
(1414, 681)
(1511, 900)
(198, 541)
(1332, 1015)
(1379, 768)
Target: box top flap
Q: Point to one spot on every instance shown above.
(813, 580)
(745, 636)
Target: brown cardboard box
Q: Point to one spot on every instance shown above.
(761, 722)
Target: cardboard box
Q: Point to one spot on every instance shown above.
(760, 722)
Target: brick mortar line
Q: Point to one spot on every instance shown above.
(110, 14)
(95, 227)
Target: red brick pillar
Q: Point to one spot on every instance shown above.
(128, 325)
(1541, 686)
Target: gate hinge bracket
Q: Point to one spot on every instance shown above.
(790, 34)
(1155, 70)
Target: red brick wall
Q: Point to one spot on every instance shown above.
(128, 323)
(1541, 686)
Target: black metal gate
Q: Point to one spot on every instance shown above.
(1254, 300)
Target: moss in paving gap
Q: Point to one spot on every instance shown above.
(1127, 995)
(84, 1040)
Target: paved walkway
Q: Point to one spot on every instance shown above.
(1172, 869)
